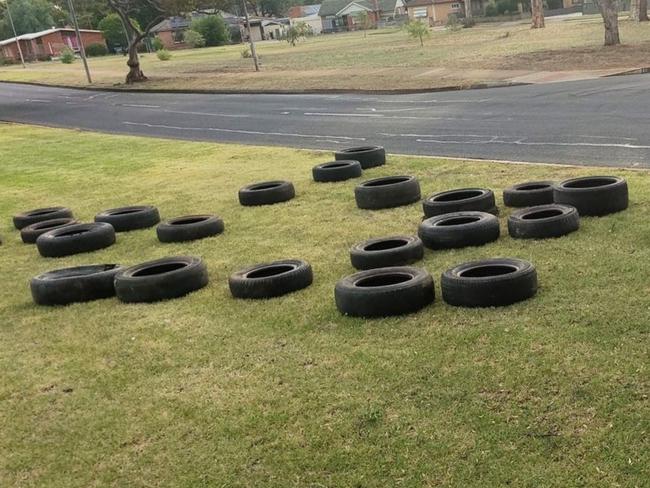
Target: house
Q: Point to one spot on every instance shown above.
(307, 14)
(434, 12)
(263, 29)
(341, 15)
(45, 44)
(171, 31)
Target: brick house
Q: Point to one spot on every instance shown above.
(171, 31)
(341, 15)
(307, 14)
(45, 44)
(433, 12)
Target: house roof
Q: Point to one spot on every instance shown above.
(332, 7)
(179, 22)
(36, 35)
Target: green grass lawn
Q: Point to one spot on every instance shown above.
(211, 391)
(385, 59)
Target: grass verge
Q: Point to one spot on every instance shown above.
(212, 391)
(385, 59)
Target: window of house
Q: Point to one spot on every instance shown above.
(455, 6)
(179, 36)
(420, 12)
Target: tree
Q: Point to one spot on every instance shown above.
(639, 10)
(537, 9)
(113, 30)
(154, 11)
(297, 31)
(609, 12)
(213, 29)
(418, 30)
(468, 9)
(29, 16)
(364, 21)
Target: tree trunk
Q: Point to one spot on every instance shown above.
(643, 10)
(634, 10)
(468, 9)
(135, 74)
(537, 9)
(610, 20)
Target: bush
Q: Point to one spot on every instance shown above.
(246, 53)
(157, 44)
(507, 7)
(96, 49)
(491, 10)
(163, 54)
(67, 55)
(452, 23)
(213, 29)
(193, 38)
(113, 30)
(467, 23)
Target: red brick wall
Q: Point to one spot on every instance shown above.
(167, 38)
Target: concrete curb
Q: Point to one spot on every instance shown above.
(329, 91)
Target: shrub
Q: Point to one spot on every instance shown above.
(213, 29)
(96, 49)
(491, 10)
(163, 54)
(246, 53)
(113, 30)
(452, 23)
(467, 23)
(507, 7)
(193, 38)
(67, 55)
(157, 44)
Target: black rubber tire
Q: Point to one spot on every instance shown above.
(268, 280)
(459, 229)
(78, 284)
(529, 194)
(30, 217)
(386, 251)
(387, 192)
(75, 239)
(266, 193)
(368, 156)
(189, 228)
(125, 219)
(337, 171)
(543, 221)
(460, 200)
(162, 279)
(489, 283)
(593, 195)
(30, 233)
(384, 292)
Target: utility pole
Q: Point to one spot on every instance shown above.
(250, 38)
(82, 49)
(13, 28)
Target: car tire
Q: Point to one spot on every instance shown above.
(337, 171)
(593, 195)
(387, 192)
(268, 280)
(30, 217)
(75, 239)
(460, 200)
(384, 292)
(162, 279)
(189, 228)
(71, 285)
(125, 219)
(368, 156)
(489, 283)
(386, 251)
(266, 193)
(543, 221)
(30, 233)
(459, 229)
(529, 194)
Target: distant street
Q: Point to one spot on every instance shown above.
(596, 122)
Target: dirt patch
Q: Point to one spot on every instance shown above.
(579, 58)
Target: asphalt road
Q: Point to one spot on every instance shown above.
(602, 122)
